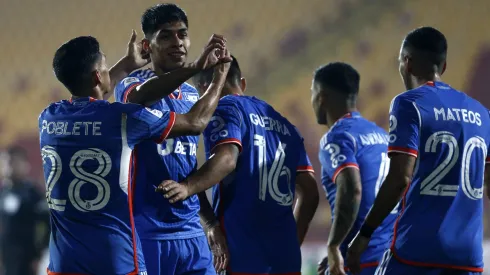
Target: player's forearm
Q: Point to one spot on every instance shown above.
(211, 173)
(304, 210)
(347, 202)
(389, 195)
(119, 71)
(158, 87)
(206, 212)
(200, 114)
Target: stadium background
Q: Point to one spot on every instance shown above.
(278, 43)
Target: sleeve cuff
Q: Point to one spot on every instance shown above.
(402, 150)
(342, 167)
(167, 129)
(301, 169)
(128, 91)
(227, 141)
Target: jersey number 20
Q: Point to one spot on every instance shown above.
(81, 177)
(432, 185)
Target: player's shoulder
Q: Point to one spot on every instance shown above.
(340, 131)
(52, 109)
(188, 88)
(142, 74)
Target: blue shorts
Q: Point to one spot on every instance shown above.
(391, 266)
(176, 257)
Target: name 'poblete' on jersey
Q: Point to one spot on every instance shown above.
(260, 191)
(174, 159)
(86, 146)
(449, 134)
(354, 142)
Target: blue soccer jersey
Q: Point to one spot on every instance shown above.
(449, 133)
(174, 159)
(354, 142)
(86, 146)
(254, 203)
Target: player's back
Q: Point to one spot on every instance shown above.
(86, 152)
(255, 201)
(441, 221)
(355, 142)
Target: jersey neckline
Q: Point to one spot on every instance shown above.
(82, 99)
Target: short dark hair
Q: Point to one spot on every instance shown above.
(428, 41)
(340, 77)
(234, 74)
(74, 61)
(161, 14)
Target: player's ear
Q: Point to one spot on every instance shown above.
(243, 84)
(444, 67)
(145, 43)
(96, 78)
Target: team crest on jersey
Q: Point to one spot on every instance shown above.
(155, 112)
(130, 80)
(191, 97)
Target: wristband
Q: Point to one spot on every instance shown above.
(366, 230)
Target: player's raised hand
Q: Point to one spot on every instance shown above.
(217, 242)
(135, 54)
(173, 190)
(335, 261)
(358, 245)
(211, 56)
(223, 67)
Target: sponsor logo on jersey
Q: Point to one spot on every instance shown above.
(130, 80)
(155, 112)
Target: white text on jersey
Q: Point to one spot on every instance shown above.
(177, 147)
(77, 128)
(269, 124)
(457, 115)
(373, 139)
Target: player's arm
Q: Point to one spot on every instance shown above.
(221, 163)
(307, 197)
(306, 203)
(161, 86)
(403, 151)
(131, 61)
(338, 157)
(222, 139)
(195, 121)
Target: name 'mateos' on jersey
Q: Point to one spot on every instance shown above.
(449, 134)
(174, 159)
(86, 148)
(358, 143)
(261, 189)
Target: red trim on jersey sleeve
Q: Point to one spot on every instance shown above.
(129, 90)
(342, 167)
(300, 169)
(227, 141)
(402, 150)
(167, 130)
(487, 160)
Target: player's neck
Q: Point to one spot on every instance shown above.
(334, 115)
(419, 81)
(231, 91)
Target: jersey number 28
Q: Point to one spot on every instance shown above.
(81, 177)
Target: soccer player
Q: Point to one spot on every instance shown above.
(439, 139)
(86, 145)
(353, 154)
(258, 158)
(172, 237)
